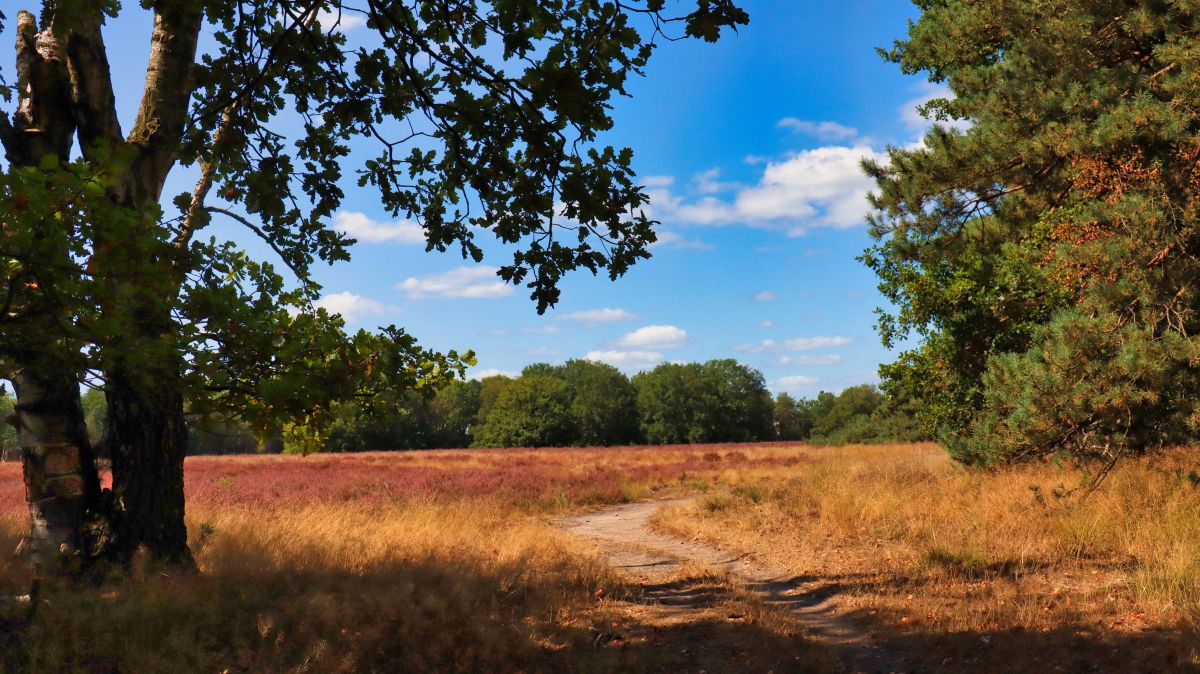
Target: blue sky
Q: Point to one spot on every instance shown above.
(749, 149)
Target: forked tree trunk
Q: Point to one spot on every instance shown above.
(61, 483)
(64, 87)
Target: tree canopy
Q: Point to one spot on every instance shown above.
(1044, 247)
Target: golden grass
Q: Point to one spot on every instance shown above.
(907, 538)
(414, 587)
(422, 562)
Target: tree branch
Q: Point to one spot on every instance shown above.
(169, 84)
(91, 84)
(301, 275)
(41, 125)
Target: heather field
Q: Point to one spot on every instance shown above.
(454, 561)
(423, 561)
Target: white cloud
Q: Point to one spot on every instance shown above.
(491, 372)
(460, 283)
(824, 359)
(797, 344)
(668, 239)
(825, 186)
(823, 131)
(658, 181)
(796, 381)
(347, 20)
(598, 316)
(352, 306)
(821, 187)
(541, 330)
(654, 337)
(765, 296)
(766, 324)
(626, 359)
(363, 228)
(707, 183)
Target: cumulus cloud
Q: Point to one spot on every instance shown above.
(765, 296)
(669, 239)
(797, 344)
(479, 375)
(363, 228)
(794, 382)
(351, 306)
(658, 181)
(823, 131)
(626, 359)
(708, 183)
(592, 317)
(824, 359)
(460, 283)
(344, 20)
(654, 337)
(821, 187)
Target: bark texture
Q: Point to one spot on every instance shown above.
(61, 483)
(148, 438)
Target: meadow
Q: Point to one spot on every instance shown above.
(450, 561)
(420, 561)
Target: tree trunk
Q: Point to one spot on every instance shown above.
(147, 433)
(61, 483)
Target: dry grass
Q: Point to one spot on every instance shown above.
(981, 571)
(445, 561)
(432, 561)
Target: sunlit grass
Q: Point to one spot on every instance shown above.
(431, 561)
(929, 546)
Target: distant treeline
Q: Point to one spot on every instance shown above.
(583, 403)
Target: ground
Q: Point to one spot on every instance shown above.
(772, 557)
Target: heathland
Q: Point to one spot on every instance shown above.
(451, 560)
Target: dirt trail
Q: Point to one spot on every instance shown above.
(623, 532)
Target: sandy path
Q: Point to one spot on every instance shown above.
(623, 533)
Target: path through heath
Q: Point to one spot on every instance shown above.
(624, 534)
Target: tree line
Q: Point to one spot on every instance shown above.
(577, 403)
(585, 403)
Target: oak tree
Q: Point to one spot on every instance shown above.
(482, 119)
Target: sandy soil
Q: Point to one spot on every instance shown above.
(648, 557)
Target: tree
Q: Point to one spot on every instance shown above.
(849, 418)
(793, 419)
(401, 424)
(1046, 252)
(741, 409)
(485, 117)
(93, 415)
(490, 389)
(453, 412)
(533, 411)
(668, 403)
(603, 404)
(717, 401)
